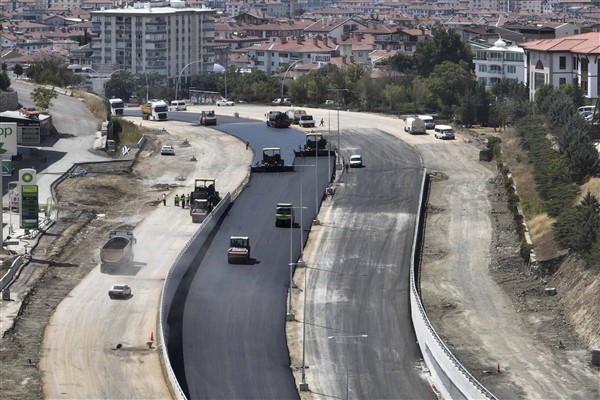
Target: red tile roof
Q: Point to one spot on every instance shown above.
(587, 43)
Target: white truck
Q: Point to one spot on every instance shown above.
(117, 106)
(117, 252)
(294, 115)
(414, 126)
(155, 110)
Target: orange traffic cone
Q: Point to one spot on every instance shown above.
(152, 336)
(498, 369)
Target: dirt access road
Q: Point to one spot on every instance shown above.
(477, 318)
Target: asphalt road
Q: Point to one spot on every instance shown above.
(359, 339)
(233, 342)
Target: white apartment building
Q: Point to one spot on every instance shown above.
(572, 59)
(165, 38)
(497, 62)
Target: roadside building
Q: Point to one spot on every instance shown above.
(166, 38)
(572, 60)
(493, 63)
(30, 131)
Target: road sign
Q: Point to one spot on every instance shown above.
(7, 167)
(8, 138)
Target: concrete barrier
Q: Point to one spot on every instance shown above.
(14, 267)
(449, 376)
(174, 278)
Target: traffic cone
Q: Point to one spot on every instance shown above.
(152, 336)
(498, 369)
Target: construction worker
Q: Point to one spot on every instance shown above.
(164, 199)
(247, 144)
(187, 200)
(183, 201)
(176, 200)
(346, 166)
(322, 122)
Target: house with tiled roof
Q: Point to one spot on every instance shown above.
(378, 56)
(357, 46)
(573, 59)
(270, 57)
(333, 27)
(497, 62)
(569, 6)
(543, 29)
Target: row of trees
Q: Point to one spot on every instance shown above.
(557, 173)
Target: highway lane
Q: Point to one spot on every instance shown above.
(233, 331)
(359, 338)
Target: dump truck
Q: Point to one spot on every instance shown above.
(271, 162)
(203, 199)
(316, 145)
(284, 215)
(239, 250)
(117, 252)
(208, 118)
(155, 110)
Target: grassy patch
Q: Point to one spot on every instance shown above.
(540, 227)
(593, 185)
(126, 131)
(96, 106)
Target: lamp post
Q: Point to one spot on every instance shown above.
(285, 74)
(179, 77)
(219, 69)
(347, 370)
(337, 96)
(301, 261)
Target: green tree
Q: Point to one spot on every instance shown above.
(445, 46)
(401, 62)
(468, 106)
(394, 96)
(575, 92)
(559, 108)
(4, 81)
(18, 70)
(121, 85)
(448, 82)
(540, 96)
(577, 145)
(42, 98)
(53, 71)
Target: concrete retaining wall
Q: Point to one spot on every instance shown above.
(174, 277)
(450, 377)
(7, 278)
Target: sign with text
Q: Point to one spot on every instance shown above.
(8, 138)
(325, 58)
(29, 207)
(27, 176)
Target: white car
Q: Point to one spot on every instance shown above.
(356, 161)
(167, 150)
(225, 102)
(119, 290)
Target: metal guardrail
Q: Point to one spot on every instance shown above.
(468, 387)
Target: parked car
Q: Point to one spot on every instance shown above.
(356, 161)
(225, 102)
(444, 132)
(120, 290)
(329, 102)
(286, 102)
(429, 122)
(167, 150)
(277, 102)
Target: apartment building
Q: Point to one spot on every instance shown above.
(573, 59)
(493, 63)
(166, 38)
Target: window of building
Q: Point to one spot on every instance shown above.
(562, 81)
(538, 79)
(482, 68)
(562, 62)
(511, 69)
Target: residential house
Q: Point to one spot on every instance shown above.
(569, 60)
(493, 63)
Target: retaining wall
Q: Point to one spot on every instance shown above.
(449, 376)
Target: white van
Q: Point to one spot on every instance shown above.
(444, 132)
(178, 105)
(429, 122)
(414, 126)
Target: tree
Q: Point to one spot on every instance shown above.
(42, 98)
(560, 107)
(121, 85)
(18, 70)
(52, 70)
(575, 93)
(577, 145)
(445, 45)
(540, 96)
(401, 62)
(4, 81)
(468, 106)
(448, 82)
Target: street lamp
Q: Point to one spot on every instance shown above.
(300, 261)
(285, 74)
(219, 69)
(347, 373)
(179, 76)
(337, 94)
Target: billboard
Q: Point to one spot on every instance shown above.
(8, 138)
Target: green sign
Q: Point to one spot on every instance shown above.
(6, 167)
(29, 207)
